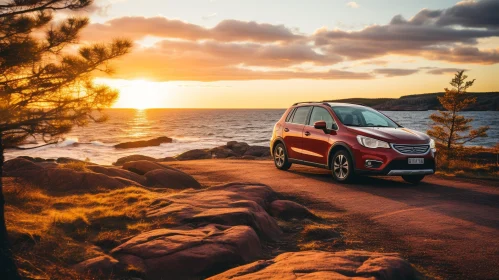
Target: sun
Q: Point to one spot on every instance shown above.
(140, 94)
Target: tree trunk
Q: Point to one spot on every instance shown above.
(8, 269)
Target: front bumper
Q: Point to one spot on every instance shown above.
(392, 162)
(410, 172)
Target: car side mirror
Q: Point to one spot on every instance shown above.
(320, 125)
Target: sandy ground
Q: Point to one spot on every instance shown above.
(448, 227)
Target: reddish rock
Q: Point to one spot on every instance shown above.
(286, 209)
(171, 178)
(221, 152)
(63, 179)
(126, 159)
(99, 265)
(19, 166)
(141, 167)
(195, 154)
(239, 148)
(326, 265)
(189, 253)
(118, 172)
(258, 151)
(147, 143)
(232, 204)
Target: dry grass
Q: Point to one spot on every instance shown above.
(52, 233)
(470, 162)
(467, 169)
(75, 165)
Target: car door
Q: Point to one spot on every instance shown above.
(315, 143)
(293, 131)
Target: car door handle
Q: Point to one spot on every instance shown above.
(286, 129)
(307, 133)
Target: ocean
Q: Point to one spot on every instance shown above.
(200, 128)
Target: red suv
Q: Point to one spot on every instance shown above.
(350, 140)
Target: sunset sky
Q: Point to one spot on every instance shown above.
(269, 54)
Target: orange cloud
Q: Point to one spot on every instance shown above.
(227, 30)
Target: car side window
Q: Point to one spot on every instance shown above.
(290, 115)
(321, 114)
(300, 115)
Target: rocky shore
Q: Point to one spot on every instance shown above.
(231, 150)
(145, 219)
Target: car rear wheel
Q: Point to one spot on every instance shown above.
(281, 157)
(413, 179)
(342, 166)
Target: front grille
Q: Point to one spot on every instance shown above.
(411, 149)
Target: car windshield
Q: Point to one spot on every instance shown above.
(362, 117)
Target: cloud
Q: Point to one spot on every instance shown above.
(472, 14)
(441, 71)
(213, 61)
(395, 72)
(245, 50)
(353, 5)
(164, 66)
(423, 35)
(228, 30)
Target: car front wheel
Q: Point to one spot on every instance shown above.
(342, 166)
(413, 179)
(281, 157)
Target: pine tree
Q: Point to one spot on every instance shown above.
(45, 87)
(450, 129)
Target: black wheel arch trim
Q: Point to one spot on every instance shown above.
(343, 145)
(275, 142)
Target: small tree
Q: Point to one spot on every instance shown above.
(45, 87)
(450, 129)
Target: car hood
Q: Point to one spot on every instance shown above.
(399, 135)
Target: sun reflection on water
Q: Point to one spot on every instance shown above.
(139, 126)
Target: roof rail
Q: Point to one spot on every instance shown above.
(322, 102)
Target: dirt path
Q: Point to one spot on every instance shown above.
(450, 227)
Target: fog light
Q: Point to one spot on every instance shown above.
(370, 163)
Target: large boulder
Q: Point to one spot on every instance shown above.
(145, 143)
(118, 172)
(171, 178)
(326, 265)
(195, 154)
(73, 160)
(18, 166)
(141, 167)
(258, 151)
(63, 179)
(222, 152)
(59, 179)
(126, 159)
(239, 148)
(98, 265)
(286, 209)
(232, 204)
(189, 253)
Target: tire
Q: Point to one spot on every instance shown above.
(342, 167)
(413, 179)
(281, 157)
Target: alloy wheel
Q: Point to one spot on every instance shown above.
(279, 156)
(340, 167)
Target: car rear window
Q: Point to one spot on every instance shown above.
(300, 115)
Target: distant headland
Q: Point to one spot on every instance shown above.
(486, 101)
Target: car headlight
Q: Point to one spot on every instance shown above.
(432, 144)
(371, 142)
